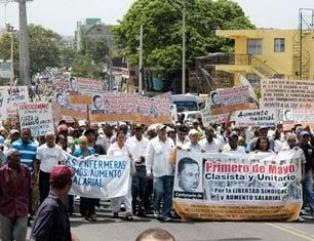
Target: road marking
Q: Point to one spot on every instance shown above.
(292, 231)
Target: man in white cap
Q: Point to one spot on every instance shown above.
(193, 144)
(158, 165)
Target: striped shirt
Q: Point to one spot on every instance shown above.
(28, 152)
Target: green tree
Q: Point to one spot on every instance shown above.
(43, 46)
(67, 56)
(5, 49)
(85, 66)
(96, 48)
(162, 31)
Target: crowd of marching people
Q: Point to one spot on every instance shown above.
(151, 150)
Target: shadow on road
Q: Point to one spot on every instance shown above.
(233, 239)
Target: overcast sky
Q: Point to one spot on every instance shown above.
(62, 15)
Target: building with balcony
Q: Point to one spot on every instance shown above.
(263, 53)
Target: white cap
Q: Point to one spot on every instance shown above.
(193, 132)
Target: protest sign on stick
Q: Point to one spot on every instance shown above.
(37, 117)
(256, 118)
(224, 101)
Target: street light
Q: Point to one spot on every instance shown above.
(181, 6)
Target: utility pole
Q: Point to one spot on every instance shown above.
(183, 47)
(140, 67)
(12, 57)
(23, 44)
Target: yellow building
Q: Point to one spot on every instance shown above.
(268, 53)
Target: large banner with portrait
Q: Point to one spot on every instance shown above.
(114, 106)
(102, 176)
(231, 99)
(256, 186)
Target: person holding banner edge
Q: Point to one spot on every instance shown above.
(87, 205)
(119, 148)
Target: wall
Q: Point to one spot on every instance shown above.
(281, 62)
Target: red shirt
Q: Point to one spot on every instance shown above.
(14, 191)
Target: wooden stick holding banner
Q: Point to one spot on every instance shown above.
(87, 117)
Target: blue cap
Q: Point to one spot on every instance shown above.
(233, 135)
(304, 133)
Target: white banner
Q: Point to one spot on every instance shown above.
(230, 96)
(302, 116)
(102, 177)
(256, 118)
(3, 103)
(255, 186)
(290, 94)
(37, 117)
(16, 95)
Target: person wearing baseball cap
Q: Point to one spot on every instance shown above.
(15, 179)
(193, 144)
(52, 221)
(233, 145)
(159, 167)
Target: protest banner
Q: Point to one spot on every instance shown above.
(256, 118)
(17, 95)
(37, 117)
(86, 86)
(215, 119)
(113, 106)
(117, 106)
(80, 99)
(244, 81)
(300, 116)
(102, 176)
(208, 118)
(231, 186)
(289, 94)
(13, 97)
(223, 101)
(3, 103)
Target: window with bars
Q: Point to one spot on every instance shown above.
(279, 45)
(255, 46)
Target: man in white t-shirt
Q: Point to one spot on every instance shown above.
(210, 143)
(233, 145)
(48, 155)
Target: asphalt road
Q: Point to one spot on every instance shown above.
(107, 228)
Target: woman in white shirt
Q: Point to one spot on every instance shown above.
(119, 148)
